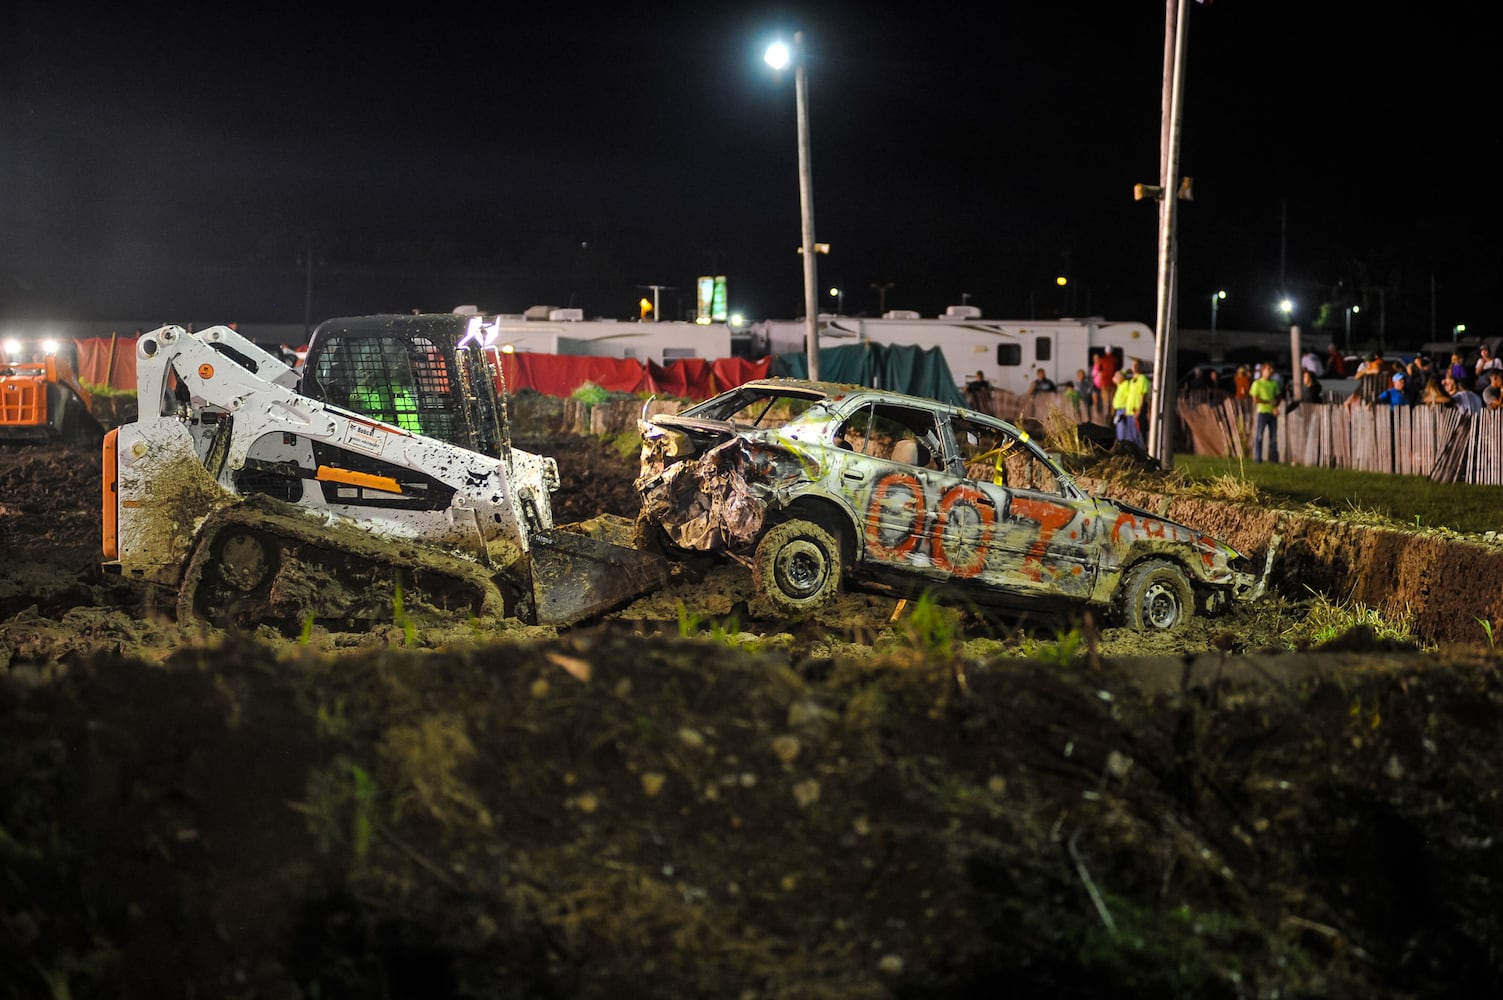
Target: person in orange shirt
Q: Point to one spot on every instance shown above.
(1243, 381)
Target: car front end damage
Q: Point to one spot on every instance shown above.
(716, 500)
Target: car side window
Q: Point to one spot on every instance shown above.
(983, 450)
(906, 435)
(992, 455)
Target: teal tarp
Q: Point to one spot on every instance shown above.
(918, 371)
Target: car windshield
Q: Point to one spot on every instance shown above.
(756, 407)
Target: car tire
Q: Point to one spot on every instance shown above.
(1155, 596)
(797, 567)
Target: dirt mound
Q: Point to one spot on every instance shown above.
(694, 797)
(606, 814)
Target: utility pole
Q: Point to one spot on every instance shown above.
(881, 290)
(1161, 416)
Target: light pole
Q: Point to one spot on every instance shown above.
(1349, 311)
(881, 290)
(838, 294)
(1216, 298)
(778, 56)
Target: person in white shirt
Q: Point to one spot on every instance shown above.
(1462, 398)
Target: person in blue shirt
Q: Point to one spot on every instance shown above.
(1395, 395)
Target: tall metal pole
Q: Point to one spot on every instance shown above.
(806, 205)
(1161, 437)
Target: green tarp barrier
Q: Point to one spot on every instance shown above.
(918, 371)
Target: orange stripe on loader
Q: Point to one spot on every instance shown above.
(111, 516)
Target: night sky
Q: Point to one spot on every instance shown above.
(183, 166)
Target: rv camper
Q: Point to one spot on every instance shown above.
(565, 331)
(1007, 351)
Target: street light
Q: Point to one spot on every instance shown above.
(1216, 298)
(779, 55)
(838, 294)
(1349, 311)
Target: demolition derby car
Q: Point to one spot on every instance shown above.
(817, 484)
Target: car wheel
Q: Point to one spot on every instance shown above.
(1156, 595)
(797, 567)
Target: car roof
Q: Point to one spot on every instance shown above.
(835, 390)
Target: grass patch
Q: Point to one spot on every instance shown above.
(1328, 620)
(1404, 500)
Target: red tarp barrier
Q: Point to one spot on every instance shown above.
(95, 367)
(561, 374)
(688, 378)
(551, 374)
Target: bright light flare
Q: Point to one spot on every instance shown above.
(12, 347)
(779, 55)
(49, 347)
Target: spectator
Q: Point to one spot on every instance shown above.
(1127, 424)
(1458, 369)
(1435, 394)
(1462, 398)
(1492, 396)
(1085, 387)
(1486, 363)
(1137, 393)
(1421, 367)
(1373, 377)
(1103, 367)
(1396, 394)
(1310, 389)
(1265, 393)
(1335, 363)
(1041, 383)
(1310, 362)
(1072, 396)
(979, 391)
(1242, 380)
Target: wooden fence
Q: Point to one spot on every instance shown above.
(1434, 441)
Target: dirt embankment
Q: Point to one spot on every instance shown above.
(1434, 579)
(690, 799)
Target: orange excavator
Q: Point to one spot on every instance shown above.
(41, 398)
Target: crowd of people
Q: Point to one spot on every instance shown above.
(1466, 387)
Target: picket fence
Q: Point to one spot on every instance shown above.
(1433, 441)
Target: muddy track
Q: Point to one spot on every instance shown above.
(692, 797)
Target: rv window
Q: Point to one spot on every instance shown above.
(1043, 347)
(1009, 355)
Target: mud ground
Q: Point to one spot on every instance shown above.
(690, 798)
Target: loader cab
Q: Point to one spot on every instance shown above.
(408, 371)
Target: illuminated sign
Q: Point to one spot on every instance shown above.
(710, 299)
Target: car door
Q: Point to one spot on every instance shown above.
(892, 482)
(1040, 536)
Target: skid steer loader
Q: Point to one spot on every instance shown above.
(42, 400)
(256, 503)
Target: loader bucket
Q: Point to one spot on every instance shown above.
(589, 568)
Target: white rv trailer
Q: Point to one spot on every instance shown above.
(1007, 351)
(566, 331)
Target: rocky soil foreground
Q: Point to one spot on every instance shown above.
(688, 799)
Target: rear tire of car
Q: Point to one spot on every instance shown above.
(797, 567)
(1155, 596)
